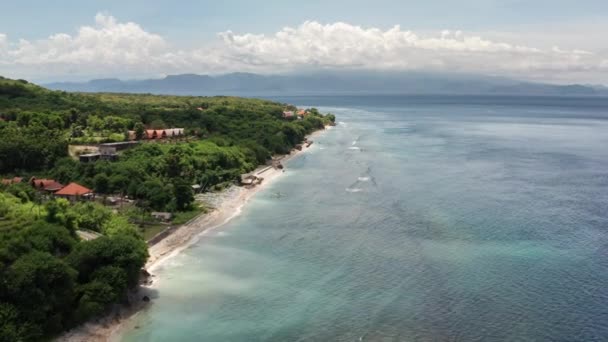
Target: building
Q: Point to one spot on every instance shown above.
(75, 192)
(288, 114)
(154, 134)
(53, 187)
(174, 132)
(116, 146)
(48, 185)
(9, 181)
(108, 151)
(89, 157)
(162, 216)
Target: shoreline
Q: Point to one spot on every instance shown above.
(231, 203)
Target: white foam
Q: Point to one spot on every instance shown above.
(363, 179)
(354, 148)
(353, 190)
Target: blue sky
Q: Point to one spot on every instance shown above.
(188, 28)
(192, 18)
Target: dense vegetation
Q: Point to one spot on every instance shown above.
(50, 278)
(232, 136)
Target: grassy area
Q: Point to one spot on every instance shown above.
(183, 217)
(150, 230)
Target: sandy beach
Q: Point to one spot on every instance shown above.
(227, 205)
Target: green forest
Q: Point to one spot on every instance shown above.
(51, 279)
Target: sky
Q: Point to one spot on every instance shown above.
(558, 41)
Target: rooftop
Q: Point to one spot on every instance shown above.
(74, 189)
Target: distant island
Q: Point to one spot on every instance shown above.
(332, 82)
(90, 181)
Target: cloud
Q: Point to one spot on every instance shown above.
(344, 45)
(112, 48)
(3, 45)
(108, 43)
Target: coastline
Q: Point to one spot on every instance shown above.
(230, 204)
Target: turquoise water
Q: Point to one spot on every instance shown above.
(415, 219)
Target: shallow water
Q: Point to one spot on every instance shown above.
(415, 219)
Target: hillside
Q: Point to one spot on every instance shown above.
(257, 124)
(223, 138)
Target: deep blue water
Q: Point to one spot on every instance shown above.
(417, 218)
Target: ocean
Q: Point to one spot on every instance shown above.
(416, 218)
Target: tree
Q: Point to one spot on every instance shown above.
(174, 162)
(54, 239)
(140, 130)
(158, 124)
(95, 123)
(77, 131)
(183, 194)
(155, 193)
(13, 327)
(57, 210)
(66, 170)
(43, 287)
(23, 191)
(125, 252)
(102, 183)
(119, 183)
(90, 215)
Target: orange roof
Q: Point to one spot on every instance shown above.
(150, 133)
(42, 183)
(9, 181)
(74, 189)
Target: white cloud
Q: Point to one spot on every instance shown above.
(112, 48)
(3, 45)
(344, 45)
(109, 43)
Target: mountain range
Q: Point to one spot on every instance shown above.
(334, 83)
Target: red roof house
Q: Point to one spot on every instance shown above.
(73, 191)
